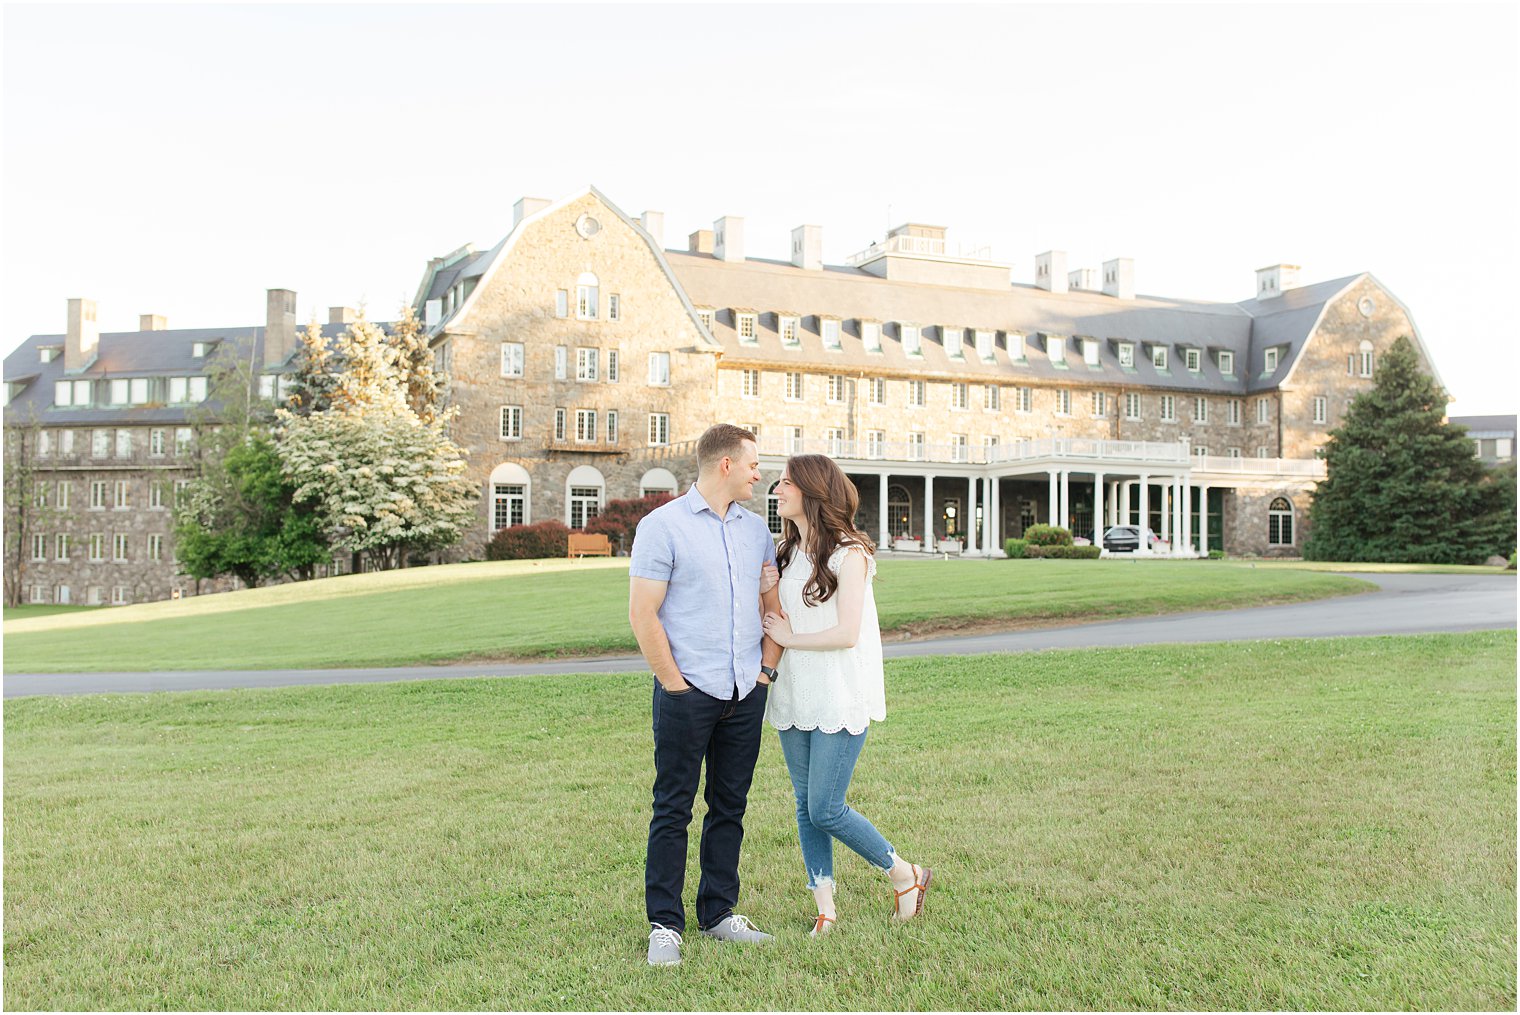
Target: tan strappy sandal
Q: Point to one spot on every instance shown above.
(821, 926)
(921, 879)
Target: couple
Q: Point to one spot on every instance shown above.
(712, 620)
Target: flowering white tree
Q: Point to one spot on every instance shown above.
(384, 481)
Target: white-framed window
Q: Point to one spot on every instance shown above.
(612, 366)
(1226, 362)
(61, 546)
(958, 447)
(793, 386)
(705, 315)
(1192, 359)
(746, 328)
(876, 443)
(870, 335)
(63, 394)
(659, 369)
(1090, 350)
(559, 423)
(916, 445)
(100, 443)
(912, 343)
(119, 547)
(1023, 400)
(84, 392)
(155, 547)
(835, 435)
(750, 383)
(509, 505)
(1168, 409)
(1321, 409)
(828, 328)
(180, 486)
(562, 303)
(1063, 402)
(156, 443)
(63, 494)
(916, 394)
(511, 359)
(612, 426)
(955, 341)
(1261, 453)
(1158, 357)
(1200, 451)
(877, 388)
(561, 362)
(66, 442)
(614, 307)
(585, 426)
(753, 428)
(960, 395)
(1232, 452)
(124, 444)
(992, 397)
(1131, 405)
(40, 495)
(1364, 359)
(39, 546)
(511, 422)
(836, 389)
(156, 494)
(990, 444)
(1015, 346)
(1263, 410)
(182, 436)
(122, 498)
(139, 394)
(587, 297)
(118, 390)
(198, 389)
(266, 385)
(179, 390)
(97, 547)
(1099, 404)
(1200, 409)
(794, 440)
(1280, 522)
(986, 342)
(1232, 412)
(789, 332)
(1127, 355)
(659, 428)
(1055, 348)
(1270, 360)
(97, 495)
(588, 364)
(38, 594)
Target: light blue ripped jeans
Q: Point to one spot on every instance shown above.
(821, 765)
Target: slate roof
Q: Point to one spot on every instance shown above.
(1487, 426)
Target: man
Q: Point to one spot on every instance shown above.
(695, 605)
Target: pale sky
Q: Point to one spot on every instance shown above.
(182, 159)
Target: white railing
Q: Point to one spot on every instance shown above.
(918, 246)
(1166, 453)
(1313, 468)
(1147, 452)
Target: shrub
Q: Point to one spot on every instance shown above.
(1047, 535)
(1216, 555)
(1066, 552)
(529, 542)
(1015, 548)
(620, 519)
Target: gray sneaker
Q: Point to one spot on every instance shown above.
(664, 947)
(736, 928)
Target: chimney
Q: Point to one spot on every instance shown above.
(1276, 279)
(342, 315)
(152, 322)
(728, 238)
(1050, 271)
(700, 242)
(526, 206)
(279, 326)
(1085, 279)
(807, 247)
(654, 224)
(84, 336)
(1119, 278)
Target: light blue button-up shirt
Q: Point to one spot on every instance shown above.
(711, 565)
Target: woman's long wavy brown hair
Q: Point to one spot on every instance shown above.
(829, 501)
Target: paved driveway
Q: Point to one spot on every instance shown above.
(1403, 604)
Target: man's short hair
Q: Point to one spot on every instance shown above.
(722, 440)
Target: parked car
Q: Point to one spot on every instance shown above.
(1126, 539)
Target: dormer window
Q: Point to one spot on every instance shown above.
(870, 335)
(705, 315)
(828, 328)
(954, 340)
(985, 340)
(198, 349)
(1015, 346)
(48, 353)
(1090, 352)
(1193, 359)
(746, 327)
(911, 343)
(787, 326)
(1127, 355)
(1055, 348)
(1158, 357)
(1270, 362)
(1227, 363)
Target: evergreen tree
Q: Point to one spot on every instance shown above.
(1402, 484)
(423, 384)
(312, 382)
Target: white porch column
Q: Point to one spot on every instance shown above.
(1054, 507)
(987, 508)
(1098, 509)
(1203, 519)
(1166, 510)
(1187, 515)
(881, 513)
(995, 518)
(928, 513)
(1124, 508)
(1179, 526)
(1145, 510)
(1065, 498)
(973, 490)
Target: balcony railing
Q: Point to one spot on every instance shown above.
(1312, 468)
(1134, 452)
(920, 246)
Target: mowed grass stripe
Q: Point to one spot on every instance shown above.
(472, 611)
(1324, 824)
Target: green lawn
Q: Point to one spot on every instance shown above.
(29, 611)
(1325, 824)
(545, 608)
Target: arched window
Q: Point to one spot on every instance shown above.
(1364, 358)
(1280, 522)
(587, 296)
(658, 481)
(772, 513)
(508, 489)
(585, 492)
(899, 511)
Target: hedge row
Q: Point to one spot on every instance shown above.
(1047, 535)
(1065, 552)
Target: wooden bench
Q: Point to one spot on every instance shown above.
(589, 544)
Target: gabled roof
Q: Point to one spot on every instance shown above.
(1287, 321)
(1486, 426)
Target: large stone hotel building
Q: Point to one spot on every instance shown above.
(586, 358)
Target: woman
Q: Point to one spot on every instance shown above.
(830, 685)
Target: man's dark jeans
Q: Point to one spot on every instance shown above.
(688, 728)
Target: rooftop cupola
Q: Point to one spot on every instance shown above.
(915, 252)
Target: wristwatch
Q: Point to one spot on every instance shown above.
(770, 673)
